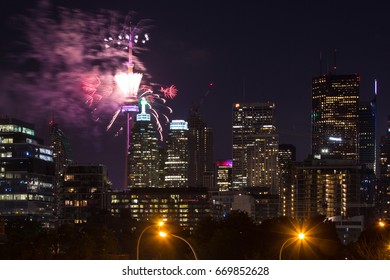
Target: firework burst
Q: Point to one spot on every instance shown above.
(129, 88)
(61, 65)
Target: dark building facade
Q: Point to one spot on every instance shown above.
(384, 178)
(367, 131)
(26, 174)
(86, 192)
(287, 158)
(200, 152)
(62, 155)
(183, 206)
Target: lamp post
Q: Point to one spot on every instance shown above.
(164, 234)
(142, 233)
(300, 236)
(381, 224)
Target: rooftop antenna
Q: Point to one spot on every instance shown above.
(334, 62)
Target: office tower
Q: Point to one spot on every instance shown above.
(287, 157)
(62, 155)
(367, 130)
(385, 172)
(85, 193)
(255, 146)
(200, 152)
(144, 154)
(335, 105)
(176, 162)
(327, 187)
(224, 175)
(26, 174)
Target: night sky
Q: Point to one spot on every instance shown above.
(251, 51)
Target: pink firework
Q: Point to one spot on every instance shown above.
(169, 92)
(90, 87)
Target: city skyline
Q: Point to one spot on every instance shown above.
(250, 54)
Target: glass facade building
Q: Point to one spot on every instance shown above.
(26, 174)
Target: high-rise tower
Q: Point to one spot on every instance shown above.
(176, 162)
(200, 151)
(287, 158)
(367, 131)
(255, 146)
(335, 116)
(62, 155)
(143, 152)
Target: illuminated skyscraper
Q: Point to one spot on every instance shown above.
(144, 154)
(255, 146)
(335, 116)
(176, 162)
(200, 151)
(26, 174)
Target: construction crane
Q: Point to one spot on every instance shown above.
(195, 108)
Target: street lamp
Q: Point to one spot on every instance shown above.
(164, 234)
(381, 224)
(300, 237)
(159, 224)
